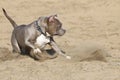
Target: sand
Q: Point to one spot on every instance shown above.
(93, 27)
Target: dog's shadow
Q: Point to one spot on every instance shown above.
(50, 52)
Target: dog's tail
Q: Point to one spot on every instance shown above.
(9, 18)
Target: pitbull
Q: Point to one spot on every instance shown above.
(25, 37)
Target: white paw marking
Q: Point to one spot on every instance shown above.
(37, 50)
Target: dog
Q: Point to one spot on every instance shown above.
(25, 37)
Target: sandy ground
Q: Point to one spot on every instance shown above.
(91, 25)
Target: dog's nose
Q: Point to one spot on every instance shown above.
(61, 32)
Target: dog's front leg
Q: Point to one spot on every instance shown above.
(57, 49)
(29, 44)
(34, 52)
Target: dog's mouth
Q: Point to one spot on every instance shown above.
(58, 34)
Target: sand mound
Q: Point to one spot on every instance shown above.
(87, 51)
(6, 54)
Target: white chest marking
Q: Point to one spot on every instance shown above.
(42, 40)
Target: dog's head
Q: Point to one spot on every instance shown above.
(51, 25)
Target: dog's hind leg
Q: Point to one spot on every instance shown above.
(15, 46)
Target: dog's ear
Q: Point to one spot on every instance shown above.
(52, 18)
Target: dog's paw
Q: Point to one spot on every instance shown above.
(37, 50)
(68, 57)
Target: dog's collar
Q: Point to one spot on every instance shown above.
(39, 28)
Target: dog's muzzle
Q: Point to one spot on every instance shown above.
(61, 32)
